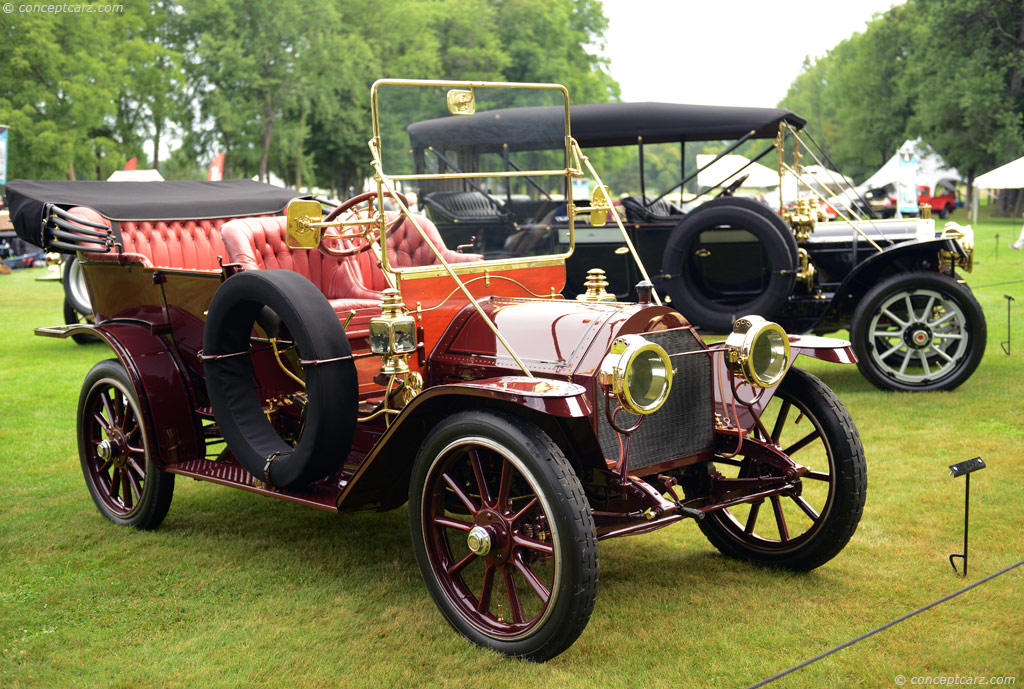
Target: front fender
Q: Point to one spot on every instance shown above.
(159, 384)
(382, 478)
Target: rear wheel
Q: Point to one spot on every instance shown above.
(918, 331)
(809, 526)
(127, 487)
(503, 535)
(73, 317)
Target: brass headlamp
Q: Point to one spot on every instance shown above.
(638, 372)
(758, 350)
(393, 333)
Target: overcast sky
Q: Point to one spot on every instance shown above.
(731, 52)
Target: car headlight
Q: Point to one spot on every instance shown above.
(638, 372)
(758, 350)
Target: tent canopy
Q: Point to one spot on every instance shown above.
(728, 169)
(931, 168)
(1009, 176)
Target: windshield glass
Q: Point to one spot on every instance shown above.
(488, 181)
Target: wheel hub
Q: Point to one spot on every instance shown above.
(917, 336)
(111, 450)
(479, 540)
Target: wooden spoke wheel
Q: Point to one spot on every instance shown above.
(115, 452)
(503, 535)
(809, 525)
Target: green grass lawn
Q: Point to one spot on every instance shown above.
(238, 590)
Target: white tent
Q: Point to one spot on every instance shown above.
(135, 176)
(728, 169)
(1009, 176)
(931, 168)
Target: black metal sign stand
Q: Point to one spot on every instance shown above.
(965, 468)
(1006, 343)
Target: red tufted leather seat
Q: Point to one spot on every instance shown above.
(353, 282)
(407, 248)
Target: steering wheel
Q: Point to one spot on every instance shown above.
(358, 243)
(731, 189)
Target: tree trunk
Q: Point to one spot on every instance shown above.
(268, 132)
(71, 170)
(227, 157)
(156, 144)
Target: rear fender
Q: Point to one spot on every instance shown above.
(159, 383)
(560, 408)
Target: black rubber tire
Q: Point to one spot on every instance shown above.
(919, 286)
(544, 471)
(155, 487)
(841, 512)
(72, 317)
(778, 244)
(332, 388)
(75, 289)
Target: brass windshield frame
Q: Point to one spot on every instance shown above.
(385, 183)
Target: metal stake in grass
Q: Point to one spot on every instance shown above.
(965, 468)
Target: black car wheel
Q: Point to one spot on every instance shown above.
(730, 257)
(127, 487)
(503, 534)
(75, 289)
(807, 527)
(73, 317)
(918, 331)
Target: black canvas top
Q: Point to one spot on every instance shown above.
(142, 200)
(603, 124)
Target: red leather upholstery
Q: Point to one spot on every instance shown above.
(188, 244)
(407, 248)
(348, 283)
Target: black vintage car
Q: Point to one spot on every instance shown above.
(895, 284)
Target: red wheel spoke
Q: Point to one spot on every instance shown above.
(803, 442)
(460, 493)
(504, 488)
(102, 421)
(817, 476)
(135, 484)
(752, 517)
(133, 430)
(461, 564)
(481, 480)
(514, 606)
(136, 467)
(111, 420)
(780, 421)
(126, 491)
(115, 482)
(806, 507)
(135, 450)
(533, 544)
(529, 506)
(484, 604)
(452, 523)
(780, 519)
(119, 410)
(535, 583)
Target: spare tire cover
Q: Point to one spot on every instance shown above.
(332, 388)
(689, 294)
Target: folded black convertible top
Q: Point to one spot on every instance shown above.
(122, 201)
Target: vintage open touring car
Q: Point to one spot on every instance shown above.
(354, 361)
(914, 323)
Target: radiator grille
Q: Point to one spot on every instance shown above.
(685, 423)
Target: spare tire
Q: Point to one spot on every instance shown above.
(730, 257)
(75, 290)
(332, 387)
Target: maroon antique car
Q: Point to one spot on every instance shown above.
(354, 362)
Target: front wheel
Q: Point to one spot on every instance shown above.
(127, 487)
(503, 535)
(812, 523)
(918, 331)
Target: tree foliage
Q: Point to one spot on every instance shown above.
(281, 86)
(948, 71)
